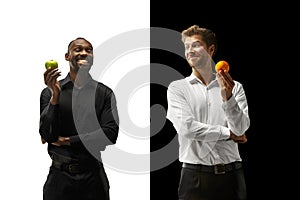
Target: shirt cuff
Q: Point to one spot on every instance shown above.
(75, 141)
(229, 103)
(52, 108)
(225, 133)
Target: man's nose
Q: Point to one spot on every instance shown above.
(190, 49)
(83, 52)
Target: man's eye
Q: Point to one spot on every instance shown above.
(196, 45)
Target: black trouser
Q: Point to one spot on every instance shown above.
(88, 185)
(197, 184)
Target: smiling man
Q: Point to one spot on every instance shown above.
(78, 119)
(210, 114)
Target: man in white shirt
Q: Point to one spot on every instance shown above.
(209, 111)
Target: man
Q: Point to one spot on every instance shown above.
(78, 119)
(210, 114)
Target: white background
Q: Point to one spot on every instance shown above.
(33, 31)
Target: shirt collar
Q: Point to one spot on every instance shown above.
(68, 80)
(192, 79)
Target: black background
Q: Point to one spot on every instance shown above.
(254, 39)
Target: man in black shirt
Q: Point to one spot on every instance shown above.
(78, 119)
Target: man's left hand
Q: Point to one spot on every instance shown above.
(226, 84)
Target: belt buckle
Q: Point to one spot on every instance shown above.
(219, 169)
(73, 168)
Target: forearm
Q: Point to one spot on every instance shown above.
(237, 116)
(97, 139)
(48, 123)
(195, 130)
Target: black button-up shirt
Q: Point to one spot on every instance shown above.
(88, 116)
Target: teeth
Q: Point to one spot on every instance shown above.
(82, 61)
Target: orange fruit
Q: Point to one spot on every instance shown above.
(222, 65)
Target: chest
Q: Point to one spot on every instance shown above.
(80, 102)
(201, 97)
(205, 102)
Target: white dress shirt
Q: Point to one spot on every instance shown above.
(202, 120)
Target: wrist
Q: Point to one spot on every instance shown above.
(67, 141)
(232, 135)
(54, 99)
(228, 97)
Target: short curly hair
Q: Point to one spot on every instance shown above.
(78, 38)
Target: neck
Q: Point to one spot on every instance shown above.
(205, 75)
(79, 78)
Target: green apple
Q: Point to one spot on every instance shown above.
(51, 64)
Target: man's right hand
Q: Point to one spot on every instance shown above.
(50, 79)
(239, 139)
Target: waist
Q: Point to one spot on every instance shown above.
(73, 166)
(215, 169)
(68, 154)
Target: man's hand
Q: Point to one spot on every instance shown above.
(50, 79)
(62, 141)
(239, 139)
(226, 84)
(43, 141)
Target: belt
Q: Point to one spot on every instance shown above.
(62, 158)
(215, 169)
(72, 168)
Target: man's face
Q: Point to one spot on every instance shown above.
(80, 55)
(196, 51)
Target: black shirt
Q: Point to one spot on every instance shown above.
(88, 116)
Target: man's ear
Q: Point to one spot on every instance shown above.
(67, 57)
(211, 50)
